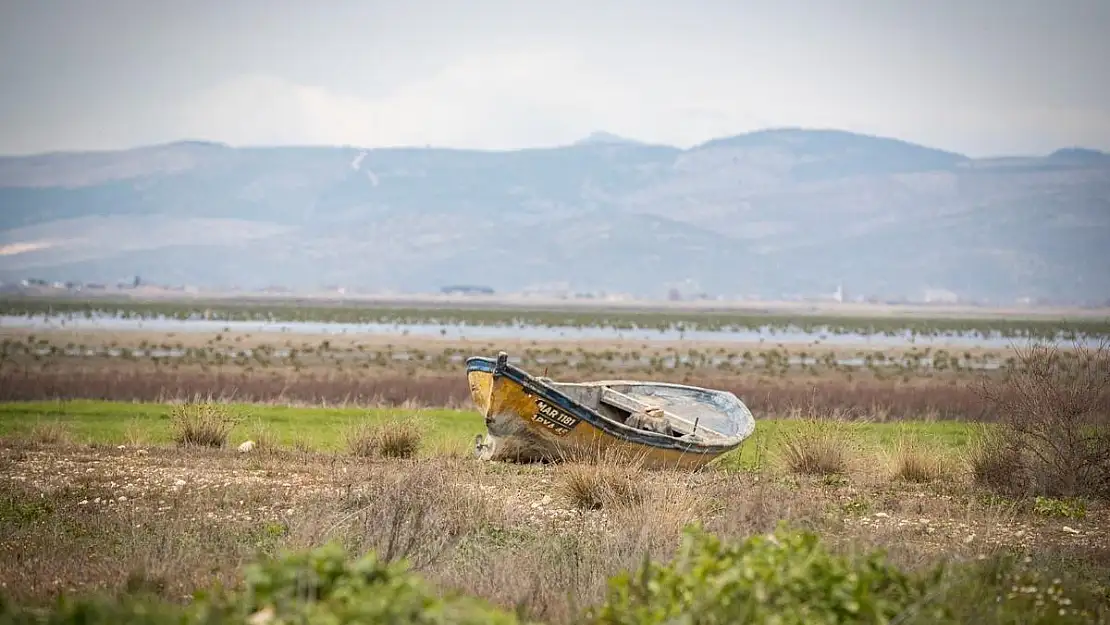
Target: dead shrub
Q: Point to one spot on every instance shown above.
(302, 446)
(419, 514)
(1054, 409)
(201, 424)
(817, 447)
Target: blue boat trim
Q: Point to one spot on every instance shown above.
(585, 413)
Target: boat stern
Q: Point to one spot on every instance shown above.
(507, 409)
(480, 381)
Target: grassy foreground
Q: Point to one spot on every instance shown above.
(133, 534)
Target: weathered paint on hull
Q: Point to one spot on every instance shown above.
(524, 426)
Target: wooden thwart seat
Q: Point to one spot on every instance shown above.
(680, 424)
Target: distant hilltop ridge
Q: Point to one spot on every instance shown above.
(601, 136)
(782, 213)
(597, 137)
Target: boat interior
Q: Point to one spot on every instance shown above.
(698, 413)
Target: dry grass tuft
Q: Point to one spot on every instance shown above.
(136, 433)
(201, 424)
(601, 486)
(995, 462)
(401, 440)
(361, 440)
(916, 462)
(602, 454)
(602, 477)
(665, 508)
(49, 433)
(818, 447)
(395, 437)
(265, 440)
(452, 449)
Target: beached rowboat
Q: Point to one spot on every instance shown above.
(531, 419)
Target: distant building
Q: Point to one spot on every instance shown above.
(940, 296)
(558, 290)
(466, 290)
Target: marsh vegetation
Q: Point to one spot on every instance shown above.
(353, 314)
(774, 380)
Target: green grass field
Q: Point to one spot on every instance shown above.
(323, 429)
(319, 428)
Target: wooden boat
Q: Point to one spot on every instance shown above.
(530, 419)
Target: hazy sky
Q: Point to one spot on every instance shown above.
(977, 76)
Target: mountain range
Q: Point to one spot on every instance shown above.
(771, 213)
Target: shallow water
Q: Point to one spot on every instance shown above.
(767, 335)
(566, 360)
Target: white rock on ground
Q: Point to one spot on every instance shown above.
(246, 446)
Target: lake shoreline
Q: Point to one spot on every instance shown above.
(502, 334)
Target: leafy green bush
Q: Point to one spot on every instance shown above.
(784, 578)
(320, 586)
(790, 577)
(1068, 508)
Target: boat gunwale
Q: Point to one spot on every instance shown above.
(606, 425)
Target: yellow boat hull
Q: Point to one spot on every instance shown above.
(528, 420)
